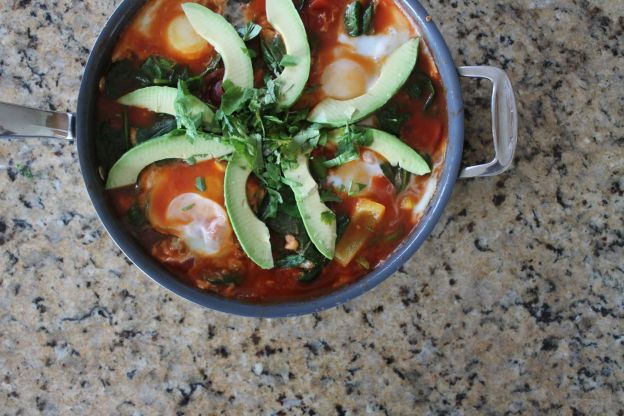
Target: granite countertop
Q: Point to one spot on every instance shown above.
(515, 305)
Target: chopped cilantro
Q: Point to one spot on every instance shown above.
(250, 31)
(200, 184)
(328, 217)
(188, 207)
(289, 60)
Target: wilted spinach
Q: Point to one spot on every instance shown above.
(421, 87)
(164, 124)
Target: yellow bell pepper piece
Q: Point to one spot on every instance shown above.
(366, 216)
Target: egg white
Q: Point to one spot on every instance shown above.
(201, 223)
(357, 174)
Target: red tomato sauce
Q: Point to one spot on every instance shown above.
(425, 131)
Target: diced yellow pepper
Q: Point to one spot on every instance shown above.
(407, 203)
(366, 216)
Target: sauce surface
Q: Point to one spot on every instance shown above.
(234, 275)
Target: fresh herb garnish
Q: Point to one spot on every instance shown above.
(294, 260)
(289, 60)
(250, 52)
(250, 31)
(355, 188)
(328, 217)
(273, 51)
(200, 184)
(348, 143)
(188, 207)
(327, 195)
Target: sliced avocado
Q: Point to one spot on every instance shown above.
(394, 73)
(223, 37)
(285, 19)
(156, 99)
(393, 149)
(162, 100)
(253, 235)
(174, 145)
(318, 219)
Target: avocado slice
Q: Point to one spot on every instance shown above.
(223, 37)
(174, 145)
(318, 219)
(285, 19)
(393, 149)
(394, 73)
(162, 100)
(253, 235)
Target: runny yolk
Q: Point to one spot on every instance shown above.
(183, 38)
(344, 79)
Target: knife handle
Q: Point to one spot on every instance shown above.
(17, 121)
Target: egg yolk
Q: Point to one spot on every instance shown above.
(183, 38)
(201, 223)
(344, 79)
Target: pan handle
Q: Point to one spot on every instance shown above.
(17, 122)
(504, 121)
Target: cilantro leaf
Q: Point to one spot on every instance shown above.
(250, 31)
(200, 184)
(289, 60)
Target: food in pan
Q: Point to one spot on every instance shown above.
(275, 150)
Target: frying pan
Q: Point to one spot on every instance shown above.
(22, 122)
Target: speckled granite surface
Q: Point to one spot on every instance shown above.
(515, 305)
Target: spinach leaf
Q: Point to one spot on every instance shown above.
(312, 274)
(391, 119)
(294, 260)
(164, 124)
(225, 280)
(421, 87)
(136, 216)
(397, 176)
(367, 19)
(110, 145)
(157, 70)
(353, 19)
(319, 170)
(120, 79)
(342, 222)
(299, 4)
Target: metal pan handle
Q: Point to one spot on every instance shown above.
(17, 122)
(504, 121)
